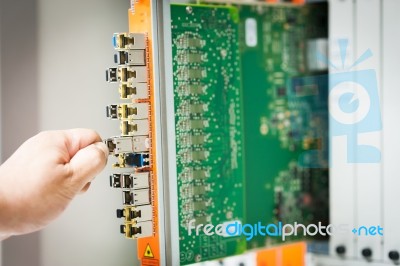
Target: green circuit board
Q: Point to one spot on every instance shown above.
(209, 128)
(285, 117)
(251, 121)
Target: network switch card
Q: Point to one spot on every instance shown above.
(224, 122)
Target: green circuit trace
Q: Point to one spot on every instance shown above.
(285, 117)
(209, 127)
(251, 121)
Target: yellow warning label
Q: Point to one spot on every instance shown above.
(148, 253)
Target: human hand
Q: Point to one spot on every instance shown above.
(46, 172)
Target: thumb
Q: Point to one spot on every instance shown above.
(87, 163)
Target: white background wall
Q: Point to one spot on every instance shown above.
(57, 52)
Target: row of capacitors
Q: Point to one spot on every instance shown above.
(133, 146)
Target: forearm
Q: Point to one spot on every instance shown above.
(5, 219)
(4, 222)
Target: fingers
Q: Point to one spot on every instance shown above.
(86, 187)
(87, 163)
(79, 138)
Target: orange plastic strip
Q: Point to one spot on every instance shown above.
(287, 255)
(140, 22)
(298, 1)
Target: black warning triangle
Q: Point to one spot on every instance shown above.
(148, 253)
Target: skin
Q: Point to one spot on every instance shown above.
(42, 177)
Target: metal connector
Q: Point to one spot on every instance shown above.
(134, 111)
(129, 41)
(136, 74)
(131, 57)
(116, 180)
(137, 160)
(111, 74)
(136, 197)
(112, 111)
(136, 214)
(134, 91)
(130, 180)
(135, 127)
(127, 74)
(137, 230)
(128, 111)
(119, 145)
(140, 180)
